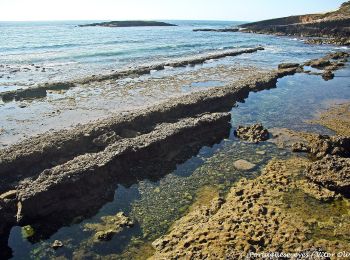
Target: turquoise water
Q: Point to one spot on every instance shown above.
(45, 51)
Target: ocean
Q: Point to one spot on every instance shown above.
(38, 52)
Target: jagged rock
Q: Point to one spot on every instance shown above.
(331, 27)
(106, 139)
(243, 165)
(328, 75)
(338, 55)
(263, 214)
(320, 63)
(254, 133)
(316, 191)
(323, 145)
(332, 172)
(300, 147)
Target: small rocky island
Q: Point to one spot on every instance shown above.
(128, 24)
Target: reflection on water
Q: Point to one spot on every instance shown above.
(156, 203)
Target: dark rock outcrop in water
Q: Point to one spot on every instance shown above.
(216, 30)
(329, 25)
(128, 24)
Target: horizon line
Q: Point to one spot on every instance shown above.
(82, 20)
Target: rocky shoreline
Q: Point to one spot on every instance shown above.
(48, 169)
(297, 206)
(40, 91)
(75, 166)
(329, 28)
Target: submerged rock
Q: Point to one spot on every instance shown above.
(332, 172)
(57, 244)
(110, 226)
(243, 165)
(254, 133)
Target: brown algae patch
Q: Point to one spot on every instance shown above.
(327, 220)
(267, 214)
(204, 197)
(336, 118)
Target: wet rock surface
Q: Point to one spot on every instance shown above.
(322, 145)
(332, 172)
(109, 226)
(254, 133)
(288, 65)
(254, 217)
(243, 165)
(84, 157)
(296, 205)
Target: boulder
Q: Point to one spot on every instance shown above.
(57, 244)
(323, 145)
(254, 133)
(320, 63)
(328, 75)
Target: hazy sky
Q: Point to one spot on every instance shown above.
(239, 10)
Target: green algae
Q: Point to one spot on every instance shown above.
(326, 220)
(161, 204)
(27, 231)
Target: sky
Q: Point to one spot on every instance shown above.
(228, 10)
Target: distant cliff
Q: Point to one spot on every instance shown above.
(334, 24)
(128, 24)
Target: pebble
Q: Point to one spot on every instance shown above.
(243, 165)
(57, 244)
